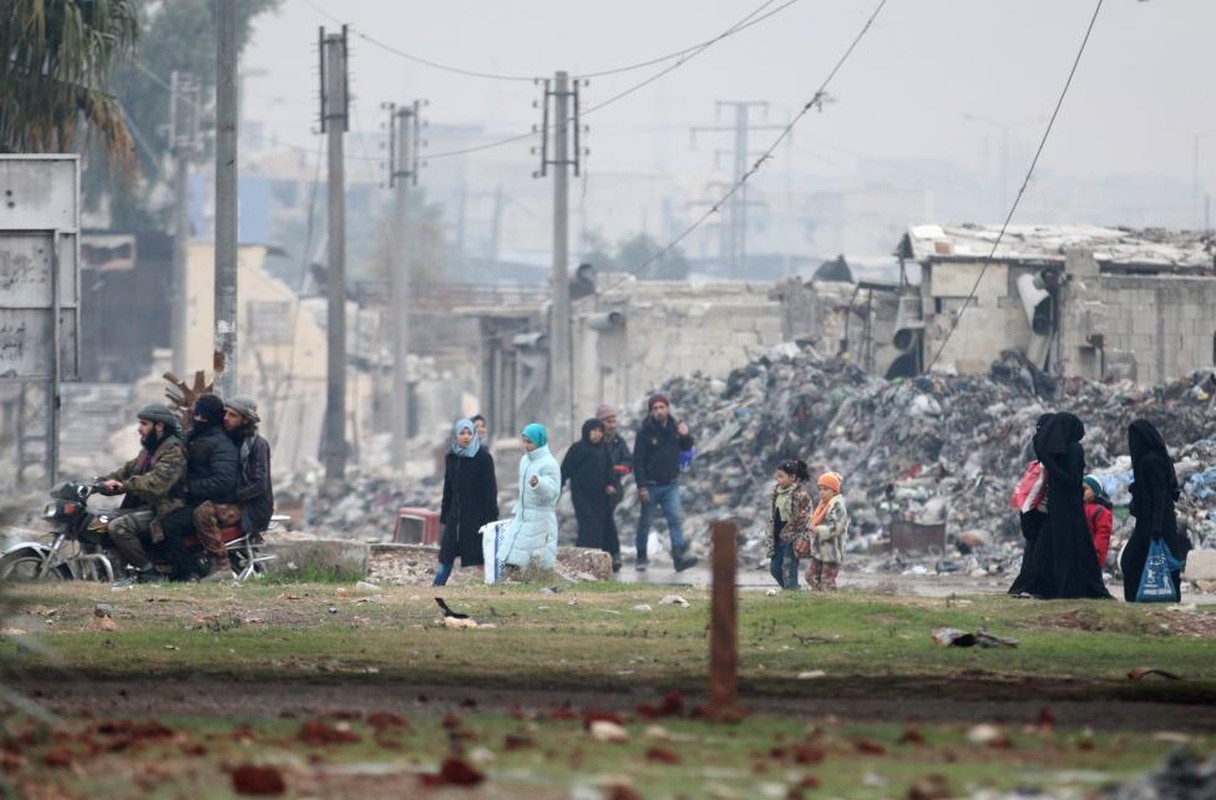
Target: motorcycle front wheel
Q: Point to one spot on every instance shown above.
(26, 566)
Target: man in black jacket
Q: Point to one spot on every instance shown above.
(656, 469)
(212, 466)
(254, 493)
(622, 465)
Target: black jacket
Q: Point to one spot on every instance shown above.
(470, 500)
(656, 453)
(253, 488)
(618, 451)
(212, 464)
(588, 468)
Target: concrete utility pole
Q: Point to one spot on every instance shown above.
(225, 358)
(733, 240)
(334, 121)
(403, 173)
(560, 411)
(183, 143)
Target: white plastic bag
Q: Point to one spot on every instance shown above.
(492, 549)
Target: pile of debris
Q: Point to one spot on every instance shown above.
(935, 449)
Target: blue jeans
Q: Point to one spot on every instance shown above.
(666, 497)
(784, 566)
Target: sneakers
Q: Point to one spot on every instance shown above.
(640, 566)
(683, 562)
(616, 563)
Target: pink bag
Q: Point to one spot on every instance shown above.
(1031, 488)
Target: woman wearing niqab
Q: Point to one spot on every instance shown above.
(1031, 523)
(1063, 562)
(1154, 489)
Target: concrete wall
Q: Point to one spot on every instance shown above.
(1150, 328)
(1166, 323)
(671, 328)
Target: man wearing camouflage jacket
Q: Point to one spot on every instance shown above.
(146, 480)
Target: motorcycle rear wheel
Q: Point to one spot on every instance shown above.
(24, 566)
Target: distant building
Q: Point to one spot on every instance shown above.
(1079, 300)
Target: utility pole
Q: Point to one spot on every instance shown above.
(334, 121)
(224, 360)
(183, 144)
(403, 173)
(559, 90)
(733, 242)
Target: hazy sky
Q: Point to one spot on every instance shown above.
(1137, 103)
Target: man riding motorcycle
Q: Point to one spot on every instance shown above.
(212, 462)
(147, 481)
(254, 494)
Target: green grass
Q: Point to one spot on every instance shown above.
(612, 640)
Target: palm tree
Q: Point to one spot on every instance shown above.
(55, 59)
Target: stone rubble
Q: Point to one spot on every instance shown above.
(935, 450)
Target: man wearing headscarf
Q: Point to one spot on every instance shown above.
(1064, 563)
(147, 481)
(212, 469)
(593, 485)
(656, 464)
(470, 500)
(1154, 491)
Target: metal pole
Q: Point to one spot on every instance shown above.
(225, 358)
(335, 395)
(738, 219)
(53, 388)
(559, 332)
(402, 175)
(181, 234)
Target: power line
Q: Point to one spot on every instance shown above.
(1025, 182)
(736, 28)
(816, 101)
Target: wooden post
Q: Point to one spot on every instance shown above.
(723, 623)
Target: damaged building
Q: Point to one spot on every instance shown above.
(1077, 300)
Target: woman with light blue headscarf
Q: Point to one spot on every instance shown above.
(532, 534)
(470, 500)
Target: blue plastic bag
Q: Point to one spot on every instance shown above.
(1156, 585)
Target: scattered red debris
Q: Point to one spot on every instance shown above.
(57, 757)
(662, 755)
(808, 753)
(317, 734)
(869, 747)
(564, 713)
(140, 729)
(517, 741)
(252, 779)
(384, 720)
(454, 772)
(911, 736)
(1047, 719)
(620, 791)
(451, 720)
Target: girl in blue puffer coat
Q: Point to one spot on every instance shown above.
(533, 530)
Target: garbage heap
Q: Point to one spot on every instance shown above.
(934, 449)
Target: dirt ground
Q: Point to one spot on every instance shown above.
(858, 700)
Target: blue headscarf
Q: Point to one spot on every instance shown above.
(474, 446)
(537, 434)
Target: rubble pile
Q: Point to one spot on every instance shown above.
(936, 448)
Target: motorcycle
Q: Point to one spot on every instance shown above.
(81, 549)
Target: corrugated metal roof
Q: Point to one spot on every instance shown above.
(1183, 251)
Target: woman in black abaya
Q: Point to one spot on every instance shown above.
(1064, 564)
(593, 484)
(1154, 489)
(1031, 523)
